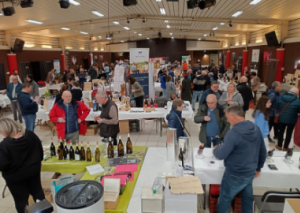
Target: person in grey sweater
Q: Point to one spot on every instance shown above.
(170, 88)
(35, 87)
(231, 97)
(137, 91)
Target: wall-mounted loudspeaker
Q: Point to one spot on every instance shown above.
(271, 39)
(127, 3)
(19, 44)
(8, 11)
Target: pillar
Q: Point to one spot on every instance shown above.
(91, 58)
(12, 63)
(245, 61)
(227, 60)
(63, 63)
(280, 57)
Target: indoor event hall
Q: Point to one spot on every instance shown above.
(149, 106)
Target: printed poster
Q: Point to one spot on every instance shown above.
(56, 66)
(255, 60)
(139, 60)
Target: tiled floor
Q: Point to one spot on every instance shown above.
(147, 137)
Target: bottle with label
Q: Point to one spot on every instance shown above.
(65, 142)
(97, 153)
(71, 153)
(146, 103)
(120, 147)
(52, 148)
(88, 153)
(151, 103)
(66, 153)
(82, 152)
(77, 152)
(110, 149)
(58, 149)
(61, 150)
(129, 145)
(180, 156)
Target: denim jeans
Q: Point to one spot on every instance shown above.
(232, 185)
(164, 93)
(195, 95)
(30, 121)
(213, 140)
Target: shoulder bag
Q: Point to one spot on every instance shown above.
(276, 119)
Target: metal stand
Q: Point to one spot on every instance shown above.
(3, 193)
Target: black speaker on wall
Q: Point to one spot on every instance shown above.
(8, 11)
(272, 39)
(19, 44)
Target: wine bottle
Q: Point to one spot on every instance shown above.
(180, 156)
(77, 152)
(71, 153)
(110, 149)
(129, 145)
(82, 152)
(120, 147)
(58, 150)
(65, 142)
(88, 153)
(61, 150)
(52, 148)
(151, 103)
(66, 152)
(146, 103)
(97, 153)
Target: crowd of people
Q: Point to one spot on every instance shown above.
(242, 144)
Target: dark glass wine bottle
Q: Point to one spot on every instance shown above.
(61, 150)
(82, 152)
(120, 147)
(110, 149)
(52, 148)
(88, 153)
(77, 152)
(129, 145)
(71, 153)
(66, 153)
(97, 153)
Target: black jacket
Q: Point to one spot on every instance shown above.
(222, 69)
(21, 158)
(93, 73)
(200, 83)
(105, 129)
(246, 93)
(76, 94)
(195, 69)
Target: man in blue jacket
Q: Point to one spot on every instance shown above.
(28, 106)
(174, 118)
(163, 80)
(13, 90)
(273, 94)
(288, 117)
(244, 154)
(171, 73)
(214, 89)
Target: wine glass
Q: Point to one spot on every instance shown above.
(200, 153)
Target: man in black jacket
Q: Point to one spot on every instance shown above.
(221, 68)
(200, 84)
(245, 91)
(93, 71)
(195, 69)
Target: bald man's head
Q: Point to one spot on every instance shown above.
(67, 97)
(243, 79)
(295, 90)
(211, 101)
(15, 79)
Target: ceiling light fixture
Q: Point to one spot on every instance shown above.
(237, 13)
(97, 13)
(1, 14)
(254, 2)
(126, 28)
(122, 41)
(33, 21)
(95, 49)
(140, 34)
(46, 46)
(172, 37)
(215, 28)
(74, 2)
(115, 22)
(82, 48)
(171, 33)
(162, 11)
(102, 49)
(85, 33)
(222, 23)
(166, 21)
(108, 38)
(206, 4)
(65, 28)
(148, 38)
(205, 35)
(100, 37)
(168, 26)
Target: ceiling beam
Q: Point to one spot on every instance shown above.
(148, 17)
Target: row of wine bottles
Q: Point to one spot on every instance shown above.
(63, 153)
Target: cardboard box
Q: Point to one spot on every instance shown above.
(46, 189)
(126, 99)
(90, 104)
(47, 125)
(149, 109)
(124, 127)
(87, 86)
(92, 130)
(291, 205)
(152, 202)
(111, 192)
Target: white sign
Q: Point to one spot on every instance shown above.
(95, 169)
(255, 55)
(139, 59)
(118, 77)
(56, 66)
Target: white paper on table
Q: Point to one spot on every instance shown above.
(95, 169)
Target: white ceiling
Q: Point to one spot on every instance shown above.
(79, 18)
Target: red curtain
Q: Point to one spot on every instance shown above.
(63, 67)
(227, 60)
(279, 56)
(245, 61)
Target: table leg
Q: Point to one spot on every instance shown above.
(204, 202)
(4, 191)
(160, 126)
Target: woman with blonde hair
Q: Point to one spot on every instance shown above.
(21, 154)
(231, 97)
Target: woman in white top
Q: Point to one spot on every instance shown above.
(231, 97)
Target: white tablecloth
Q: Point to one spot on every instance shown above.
(287, 175)
(42, 90)
(54, 86)
(155, 162)
(223, 86)
(4, 100)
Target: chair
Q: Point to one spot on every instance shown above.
(273, 201)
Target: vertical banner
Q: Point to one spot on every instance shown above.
(151, 81)
(91, 58)
(63, 66)
(245, 61)
(56, 66)
(255, 60)
(139, 67)
(227, 59)
(280, 56)
(12, 62)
